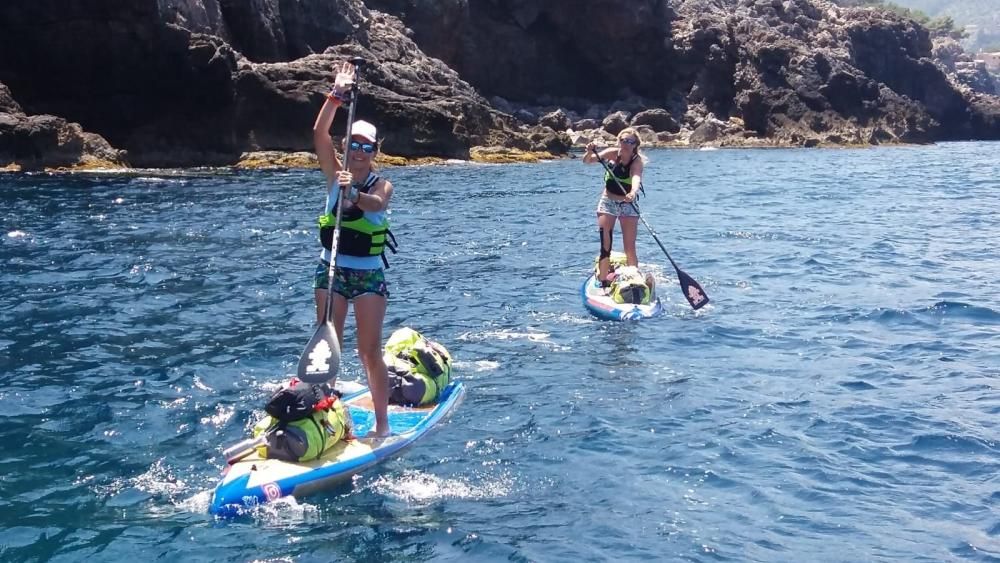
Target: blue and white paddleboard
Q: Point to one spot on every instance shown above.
(253, 480)
(602, 306)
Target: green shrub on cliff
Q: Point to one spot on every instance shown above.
(941, 26)
(945, 26)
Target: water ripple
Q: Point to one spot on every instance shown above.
(841, 390)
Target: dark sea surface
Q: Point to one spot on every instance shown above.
(838, 400)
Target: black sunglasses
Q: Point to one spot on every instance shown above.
(367, 147)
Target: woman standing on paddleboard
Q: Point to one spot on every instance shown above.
(358, 276)
(616, 200)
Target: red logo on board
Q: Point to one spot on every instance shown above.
(272, 491)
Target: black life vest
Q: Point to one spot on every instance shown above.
(621, 172)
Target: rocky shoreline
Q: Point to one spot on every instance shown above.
(184, 83)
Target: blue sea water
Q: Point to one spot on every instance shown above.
(837, 400)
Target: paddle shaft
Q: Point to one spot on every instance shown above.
(656, 238)
(323, 349)
(357, 62)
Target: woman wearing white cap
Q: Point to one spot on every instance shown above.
(364, 232)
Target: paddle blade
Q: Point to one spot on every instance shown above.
(320, 361)
(693, 292)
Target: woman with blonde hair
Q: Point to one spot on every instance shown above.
(621, 187)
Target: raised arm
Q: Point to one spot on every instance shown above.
(323, 142)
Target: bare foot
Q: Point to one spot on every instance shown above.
(376, 434)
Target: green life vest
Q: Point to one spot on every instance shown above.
(359, 236)
(410, 356)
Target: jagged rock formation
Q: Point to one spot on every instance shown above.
(46, 141)
(162, 80)
(967, 71)
(788, 71)
(196, 82)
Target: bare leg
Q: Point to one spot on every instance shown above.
(320, 295)
(630, 227)
(606, 223)
(339, 313)
(369, 312)
(340, 306)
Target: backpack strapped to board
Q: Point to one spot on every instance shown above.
(419, 368)
(626, 284)
(294, 402)
(629, 286)
(303, 422)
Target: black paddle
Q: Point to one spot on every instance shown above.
(320, 361)
(693, 292)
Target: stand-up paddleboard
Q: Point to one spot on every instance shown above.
(253, 480)
(602, 306)
(599, 301)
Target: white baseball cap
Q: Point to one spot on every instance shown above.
(364, 129)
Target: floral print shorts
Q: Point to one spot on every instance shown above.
(350, 282)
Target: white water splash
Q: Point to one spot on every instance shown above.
(158, 480)
(221, 416)
(477, 366)
(417, 486)
(505, 334)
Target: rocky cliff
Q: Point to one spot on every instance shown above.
(200, 82)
